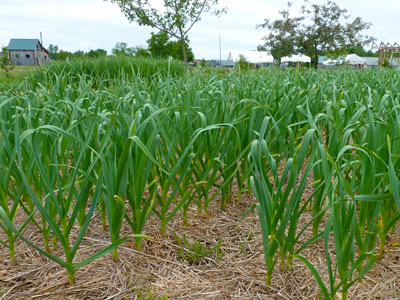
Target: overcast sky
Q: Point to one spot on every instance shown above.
(92, 24)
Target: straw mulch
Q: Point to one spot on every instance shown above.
(158, 269)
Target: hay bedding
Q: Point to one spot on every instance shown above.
(158, 269)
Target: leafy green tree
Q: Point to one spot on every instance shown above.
(261, 48)
(122, 48)
(97, 53)
(177, 53)
(282, 34)
(78, 54)
(64, 55)
(159, 45)
(176, 19)
(360, 51)
(53, 51)
(141, 52)
(320, 28)
(5, 62)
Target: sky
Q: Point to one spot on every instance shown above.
(91, 24)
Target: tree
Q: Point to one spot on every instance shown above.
(318, 29)
(141, 52)
(53, 51)
(177, 18)
(159, 45)
(78, 54)
(5, 62)
(177, 53)
(64, 55)
(282, 36)
(122, 49)
(97, 53)
(360, 51)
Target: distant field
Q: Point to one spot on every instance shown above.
(17, 74)
(123, 178)
(21, 69)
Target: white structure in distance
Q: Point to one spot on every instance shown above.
(296, 58)
(351, 59)
(252, 57)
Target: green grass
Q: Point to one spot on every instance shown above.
(149, 295)
(16, 75)
(4, 291)
(197, 251)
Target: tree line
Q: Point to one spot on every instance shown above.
(158, 46)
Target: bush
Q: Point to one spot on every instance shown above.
(243, 64)
(5, 62)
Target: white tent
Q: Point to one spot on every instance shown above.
(351, 59)
(296, 58)
(354, 59)
(330, 62)
(253, 57)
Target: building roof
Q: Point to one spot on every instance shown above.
(296, 58)
(321, 59)
(372, 61)
(351, 59)
(253, 57)
(354, 59)
(23, 44)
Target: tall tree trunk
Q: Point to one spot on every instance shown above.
(316, 56)
(184, 53)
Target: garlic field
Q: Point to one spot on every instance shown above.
(120, 146)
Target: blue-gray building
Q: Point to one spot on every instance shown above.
(225, 63)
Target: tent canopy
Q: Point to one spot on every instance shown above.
(354, 59)
(330, 62)
(296, 58)
(351, 59)
(253, 57)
